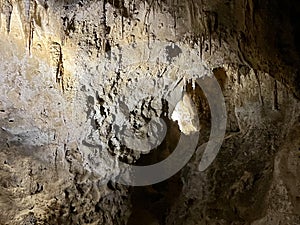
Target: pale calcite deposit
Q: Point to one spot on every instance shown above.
(186, 116)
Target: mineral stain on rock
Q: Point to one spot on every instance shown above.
(172, 52)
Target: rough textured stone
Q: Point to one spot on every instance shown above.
(78, 79)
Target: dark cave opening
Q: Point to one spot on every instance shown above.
(152, 204)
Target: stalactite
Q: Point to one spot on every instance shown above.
(122, 25)
(8, 20)
(209, 33)
(193, 84)
(146, 24)
(122, 18)
(146, 19)
(148, 35)
(60, 73)
(30, 37)
(202, 43)
(6, 8)
(175, 15)
(104, 25)
(210, 43)
(27, 8)
(275, 93)
(130, 7)
(184, 83)
(238, 76)
(154, 10)
(57, 58)
(192, 12)
(29, 22)
(200, 47)
(259, 88)
(211, 26)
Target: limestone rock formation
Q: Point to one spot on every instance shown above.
(83, 84)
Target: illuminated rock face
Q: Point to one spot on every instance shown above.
(186, 116)
(78, 78)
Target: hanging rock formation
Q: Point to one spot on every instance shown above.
(80, 82)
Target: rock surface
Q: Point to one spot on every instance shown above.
(83, 84)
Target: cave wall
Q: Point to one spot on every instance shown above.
(248, 182)
(74, 72)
